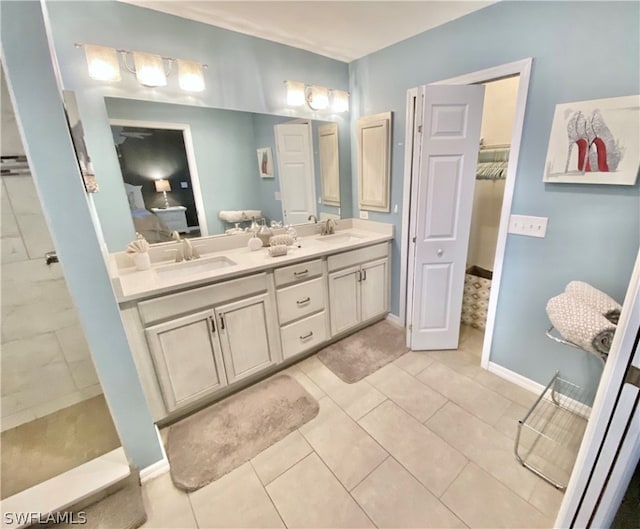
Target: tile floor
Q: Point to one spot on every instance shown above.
(426, 441)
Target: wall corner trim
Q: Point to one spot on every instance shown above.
(159, 467)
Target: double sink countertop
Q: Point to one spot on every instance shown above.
(227, 257)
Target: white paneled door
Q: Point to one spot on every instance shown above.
(449, 151)
(295, 167)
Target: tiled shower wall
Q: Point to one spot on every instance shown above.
(45, 360)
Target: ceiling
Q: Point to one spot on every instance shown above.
(341, 30)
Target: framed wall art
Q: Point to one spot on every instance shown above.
(595, 142)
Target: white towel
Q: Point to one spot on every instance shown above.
(239, 215)
(603, 303)
(580, 324)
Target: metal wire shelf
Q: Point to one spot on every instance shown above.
(549, 435)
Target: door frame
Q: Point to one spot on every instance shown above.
(191, 160)
(309, 124)
(523, 69)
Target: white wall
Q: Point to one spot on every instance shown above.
(485, 219)
(499, 111)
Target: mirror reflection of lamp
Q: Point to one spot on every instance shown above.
(162, 186)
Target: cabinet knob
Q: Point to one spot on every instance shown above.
(440, 252)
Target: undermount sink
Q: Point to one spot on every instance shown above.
(197, 266)
(340, 238)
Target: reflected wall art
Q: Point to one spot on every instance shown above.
(595, 142)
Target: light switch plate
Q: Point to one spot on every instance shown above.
(364, 214)
(276, 195)
(527, 225)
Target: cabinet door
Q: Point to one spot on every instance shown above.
(374, 155)
(344, 299)
(374, 287)
(186, 355)
(246, 336)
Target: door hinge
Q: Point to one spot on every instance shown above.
(413, 240)
(419, 129)
(411, 326)
(633, 376)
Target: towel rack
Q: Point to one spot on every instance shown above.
(555, 423)
(600, 356)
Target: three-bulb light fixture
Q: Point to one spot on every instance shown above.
(316, 97)
(150, 69)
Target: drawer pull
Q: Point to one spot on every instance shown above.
(301, 273)
(303, 301)
(306, 336)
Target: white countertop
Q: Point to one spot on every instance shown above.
(130, 284)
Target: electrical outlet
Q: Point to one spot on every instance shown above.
(364, 215)
(526, 225)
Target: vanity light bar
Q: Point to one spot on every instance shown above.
(316, 97)
(150, 69)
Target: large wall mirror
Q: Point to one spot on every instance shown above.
(208, 171)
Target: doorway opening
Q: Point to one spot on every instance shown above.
(413, 150)
(160, 178)
(498, 114)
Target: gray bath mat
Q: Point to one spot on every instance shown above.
(214, 441)
(123, 509)
(364, 352)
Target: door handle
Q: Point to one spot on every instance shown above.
(50, 258)
(221, 322)
(364, 275)
(213, 324)
(359, 275)
(303, 301)
(440, 252)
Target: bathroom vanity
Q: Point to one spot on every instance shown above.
(201, 329)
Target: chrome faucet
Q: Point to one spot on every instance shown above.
(314, 218)
(329, 227)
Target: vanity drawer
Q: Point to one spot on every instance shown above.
(199, 298)
(303, 335)
(300, 300)
(354, 257)
(298, 272)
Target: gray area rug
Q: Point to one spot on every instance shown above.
(214, 441)
(364, 352)
(123, 509)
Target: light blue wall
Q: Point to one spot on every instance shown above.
(581, 50)
(244, 73)
(52, 160)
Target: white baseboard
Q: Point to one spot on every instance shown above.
(394, 319)
(515, 378)
(535, 387)
(159, 467)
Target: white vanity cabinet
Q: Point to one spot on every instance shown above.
(302, 303)
(358, 287)
(209, 337)
(245, 337)
(195, 344)
(187, 358)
